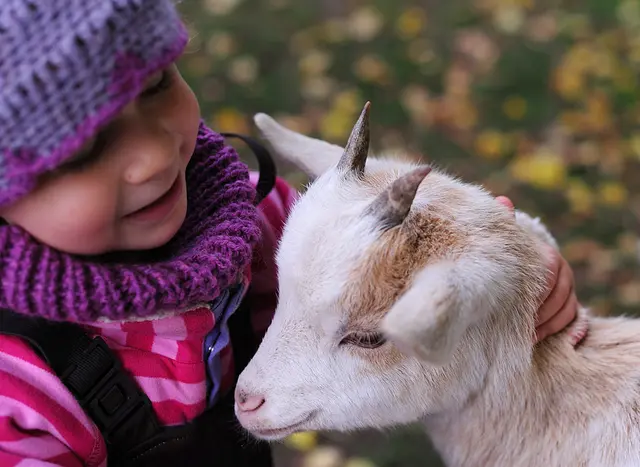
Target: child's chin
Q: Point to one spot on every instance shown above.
(167, 233)
(162, 234)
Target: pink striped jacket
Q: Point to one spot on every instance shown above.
(41, 424)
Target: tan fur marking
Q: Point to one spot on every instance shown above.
(385, 272)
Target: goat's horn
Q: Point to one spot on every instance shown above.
(356, 151)
(394, 203)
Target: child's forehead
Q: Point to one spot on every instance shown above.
(67, 67)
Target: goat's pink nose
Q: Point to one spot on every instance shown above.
(248, 402)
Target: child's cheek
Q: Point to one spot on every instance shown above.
(74, 217)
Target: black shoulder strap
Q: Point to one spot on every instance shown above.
(267, 168)
(93, 374)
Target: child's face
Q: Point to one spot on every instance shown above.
(126, 189)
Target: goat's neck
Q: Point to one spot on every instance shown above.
(553, 392)
(516, 400)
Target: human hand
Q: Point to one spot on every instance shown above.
(559, 302)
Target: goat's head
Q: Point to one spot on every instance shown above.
(399, 288)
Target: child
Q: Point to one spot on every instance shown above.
(130, 237)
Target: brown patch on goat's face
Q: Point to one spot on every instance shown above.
(384, 274)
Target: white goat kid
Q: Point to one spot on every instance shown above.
(403, 300)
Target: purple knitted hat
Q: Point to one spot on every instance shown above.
(66, 68)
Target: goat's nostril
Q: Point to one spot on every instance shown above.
(249, 402)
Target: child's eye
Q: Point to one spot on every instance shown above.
(163, 81)
(88, 155)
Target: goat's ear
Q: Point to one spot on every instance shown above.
(312, 156)
(430, 318)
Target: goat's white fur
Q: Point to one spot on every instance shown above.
(468, 371)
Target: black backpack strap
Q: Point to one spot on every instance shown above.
(93, 374)
(242, 334)
(267, 167)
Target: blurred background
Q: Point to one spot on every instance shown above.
(535, 99)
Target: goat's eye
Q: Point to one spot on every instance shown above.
(366, 340)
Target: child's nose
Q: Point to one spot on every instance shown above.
(153, 152)
(153, 164)
(248, 402)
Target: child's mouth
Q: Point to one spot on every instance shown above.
(161, 207)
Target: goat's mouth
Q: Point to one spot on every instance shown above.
(274, 434)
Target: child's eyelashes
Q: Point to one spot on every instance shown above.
(86, 156)
(163, 81)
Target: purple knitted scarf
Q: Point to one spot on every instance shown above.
(209, 253)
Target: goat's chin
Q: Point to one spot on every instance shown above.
(273, 435)
(274, 432)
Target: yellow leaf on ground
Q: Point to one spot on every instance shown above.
(515, 107)
(243, 70)
(359, 462)
(303, 441)
(542, 169)
(509, 19)
(220, 7)
(365, 23)
(634, 144)
(372, 68)
(335, 30)
(613, 193)
(460, 112)
(569, 82)
(490, 144)
(627, 243)
(598, 112)
(348, 101)
(314, 62)
(411, 22)
(420, 51)
(580, 196)
(336, 125)
(230, 120)
(629, 294)
(323, 456)
(624, 79)
(634, 50)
